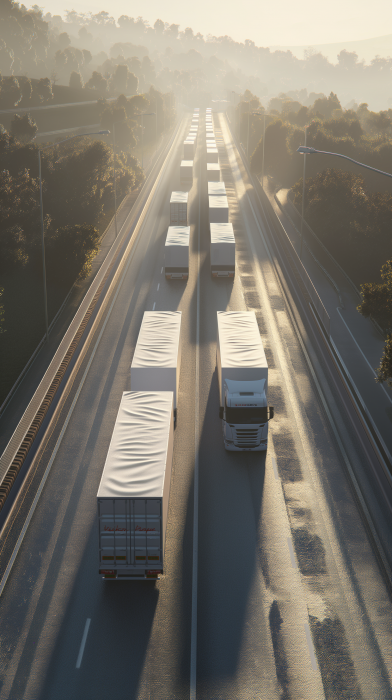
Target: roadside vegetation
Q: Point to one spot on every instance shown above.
(78, 204)
(351, 217)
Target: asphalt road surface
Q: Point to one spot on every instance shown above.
(291, 602)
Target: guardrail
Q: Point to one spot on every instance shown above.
(18, 447)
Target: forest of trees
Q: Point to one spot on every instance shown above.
(85, 50)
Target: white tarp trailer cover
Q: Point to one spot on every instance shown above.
(177, 252)
(216, 188)
(133, 496)
(213, 172)
(222, 250)
(179, 208)
(218, 207)
(186, 171)
(212, 155)
(240, 353)
(157, 357)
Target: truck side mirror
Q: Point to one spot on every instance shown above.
(220, 411)
(271, 412)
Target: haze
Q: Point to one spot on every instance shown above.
(267, 24)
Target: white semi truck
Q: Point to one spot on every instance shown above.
(218, 209)
(179, 209)
(133, 495)
(243, 382)
(186, 173)
(177, 253)
(157, 358)
(222, 250)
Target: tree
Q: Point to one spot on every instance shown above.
(75, 81)
(97, 82)
(11, 93)
(159, 26)
(23, 128)
(70, 251)
(377, 298)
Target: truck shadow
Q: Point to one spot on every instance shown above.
(230, 503)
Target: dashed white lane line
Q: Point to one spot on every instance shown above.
(275, 468)
(311, 647)
(153, 306)
(158, 288)
(83, 643)
(161, 270)
(292, 555)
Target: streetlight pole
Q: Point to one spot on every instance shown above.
(247, 140)
(43, 246)
(303, 199)
(309, 150)
(77, 136)
(114, 180)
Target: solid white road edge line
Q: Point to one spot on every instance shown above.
(83, 643)
(275, 468)
(292, 555)
(192, 684)
(311, 648)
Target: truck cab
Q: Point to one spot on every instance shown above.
(245, 415)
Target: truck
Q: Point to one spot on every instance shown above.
(212, 155)
(178, 208)
(213, 172)
(133, 495)
(177, 253)
(243, 382)
(216, 188)
(222, 250)
(218, 209)
(189, 149)
(157, 358)
(186, 172)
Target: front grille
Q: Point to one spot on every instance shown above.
(246, 437)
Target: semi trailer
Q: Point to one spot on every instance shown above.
(133, 495)
(222, 250)
(243, 382)
(177, 253)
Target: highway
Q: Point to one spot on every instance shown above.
(290, 600)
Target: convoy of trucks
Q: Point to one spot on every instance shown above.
(133, 495)
(243, 382)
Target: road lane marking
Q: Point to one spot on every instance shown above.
(161, 270)
(274, 467)
(192, 694)
(364, 356)
(158, 287)
(292, 555)
(153, 306)
(311, 648)
(83, 643)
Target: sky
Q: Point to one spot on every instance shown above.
(304, 23)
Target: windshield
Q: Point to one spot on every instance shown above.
(247, 415)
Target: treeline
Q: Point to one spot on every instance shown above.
(357, 133)
(85, 50)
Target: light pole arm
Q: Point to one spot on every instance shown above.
(311, 150)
